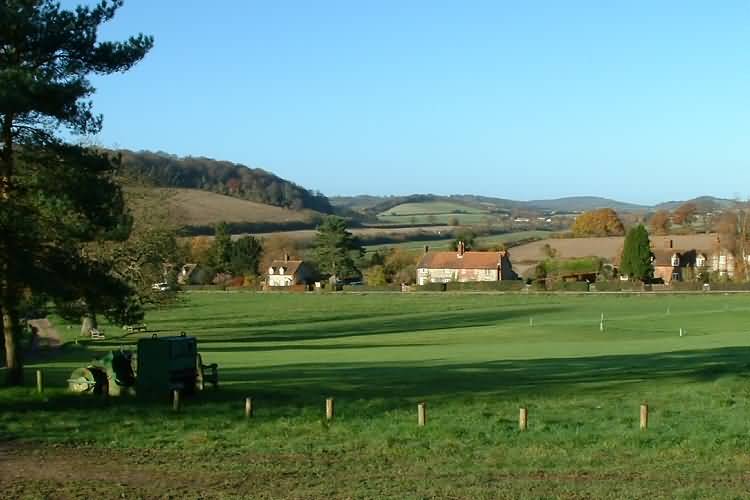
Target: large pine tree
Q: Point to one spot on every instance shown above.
(636, 255)
(55, 196)
(336, 248)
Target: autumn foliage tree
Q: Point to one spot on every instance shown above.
(684, 213)
(600, 222)
(660, 222)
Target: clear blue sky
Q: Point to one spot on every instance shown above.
(642, 101)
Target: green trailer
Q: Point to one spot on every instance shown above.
(166, 364)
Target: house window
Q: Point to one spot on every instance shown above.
(282, 270)
(700, 261)
(675, 260)
(722, 262)
(675, 276)
(270, 270)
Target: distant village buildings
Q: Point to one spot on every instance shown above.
(463, 266)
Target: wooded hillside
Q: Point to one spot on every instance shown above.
(223, 177)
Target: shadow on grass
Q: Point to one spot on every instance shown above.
(392, 385)
(242, 330)
(496, 379)
(369, 325)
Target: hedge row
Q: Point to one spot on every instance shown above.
(616, 286)
(569, 286)
(477, 286)
(725, 286)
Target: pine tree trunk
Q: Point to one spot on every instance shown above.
(88, 323)
(11, 330)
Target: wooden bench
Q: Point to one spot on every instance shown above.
(135, 328)
(206, 373)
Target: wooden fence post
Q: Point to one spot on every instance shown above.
(329, 409)
(523, 418)
(39, 382)
(248, 407)
(644, 416)
(422, 414)
(176, 400)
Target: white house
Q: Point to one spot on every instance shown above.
(287, 272)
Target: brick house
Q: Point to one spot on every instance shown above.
(463, 266)
(288, 272)
(672, 264)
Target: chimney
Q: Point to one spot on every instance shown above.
(668, 244)
(286, 257)
(426, 248)
(461, 249)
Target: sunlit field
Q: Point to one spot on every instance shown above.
(473, 358)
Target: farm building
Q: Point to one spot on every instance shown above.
(289, 272)
(463, 266)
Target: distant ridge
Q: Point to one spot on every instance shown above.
(376, 204)
(583, 203)
(704, 204)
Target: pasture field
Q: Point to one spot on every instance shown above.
(432, 207)
(461, 219)
(434, 212)
(481, 241)
(195, 207)
(474, 358)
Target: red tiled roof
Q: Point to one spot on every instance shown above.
(451, 260)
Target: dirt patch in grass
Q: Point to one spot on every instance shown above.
(34, 471)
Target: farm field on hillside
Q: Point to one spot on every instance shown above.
(431, 207)
(434, 212)
(195, 207)
(474, 358)
(482, 241)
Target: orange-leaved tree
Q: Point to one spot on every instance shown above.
(599, 222)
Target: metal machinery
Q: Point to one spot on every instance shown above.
(164, 364)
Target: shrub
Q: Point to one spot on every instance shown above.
(375, 276)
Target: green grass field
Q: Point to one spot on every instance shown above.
(474, 358)
(434, 212)
(432, 207)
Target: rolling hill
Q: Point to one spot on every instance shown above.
(704, 204)
(584, 203)
(196, 211)
(221, 177)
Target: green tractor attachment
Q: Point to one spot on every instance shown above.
(163, 364)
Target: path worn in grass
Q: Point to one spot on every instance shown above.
(85, 472)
